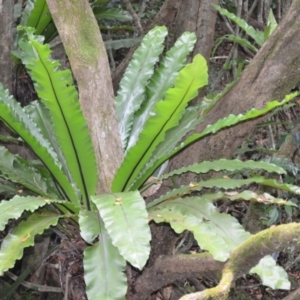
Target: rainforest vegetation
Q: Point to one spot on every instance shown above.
(149, 149)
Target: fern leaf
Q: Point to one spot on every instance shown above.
(226, 164)
(15, 117)
(167, 115)
(271, 275)
(126, 220)
(22, 236)
(89, 225)
(9, 189)
(190, 119)
(218, 233)
(57, 92)
(131, 92)
(41, 116)
(192, 116)
(104, 268)
(247, 196)
(272, 25)
(222, 183)
(237, 40)
(37, 15)
(161, 81)
(14, 208)
(15, 169)
(222, 123)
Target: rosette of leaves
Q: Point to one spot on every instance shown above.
(154, 119)
(153, 116)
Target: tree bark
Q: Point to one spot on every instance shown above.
(167, 269)
(271, 75)
(79, 32)
(6, 28)
(199, 17)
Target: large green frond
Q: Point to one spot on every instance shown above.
(220, 124)
(22, 236)
(57, 92)
(218, 233)
(223, 183)
(161, 81)
(17, 170)
(104, 267)
(247, 196)
(131, 92)
(89, 225)
(13, 208)
(15, 117)
(42, 117)
(226, 164)
(37, 15)
(272, 25)
(190, 119)
(166, 115)
(126, 220)
(192, 116)
(237, 40)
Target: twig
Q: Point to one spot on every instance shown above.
(110, 54)
(135, 17)
(66, 292)
(267, 9)
(260, 11)
(40, 288)
(218, 57)
(249, 13)
(237, 34)
(227, 24)
(278, 10)
(142, 8)
(221, 72)
(245, 7)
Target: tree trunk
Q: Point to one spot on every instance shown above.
(271, 75)
(79, 32)
(6, 28)
(199, 17)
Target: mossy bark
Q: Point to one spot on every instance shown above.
(247, 255)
